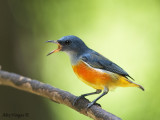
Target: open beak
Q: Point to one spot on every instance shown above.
(56, 50)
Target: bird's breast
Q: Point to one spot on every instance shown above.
(91, 76)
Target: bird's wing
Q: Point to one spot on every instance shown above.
(96, 60)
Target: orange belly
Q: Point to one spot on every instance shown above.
(98, 79)
(92, 77)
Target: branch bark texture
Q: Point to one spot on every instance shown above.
(55, 94)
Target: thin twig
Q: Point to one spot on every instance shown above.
(55, 94)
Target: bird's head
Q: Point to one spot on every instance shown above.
(70, 44)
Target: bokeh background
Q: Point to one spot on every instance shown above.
(125, 31)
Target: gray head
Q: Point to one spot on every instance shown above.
(70, 44)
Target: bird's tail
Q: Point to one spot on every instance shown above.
(124, 82)
(132, 84)
(142, 88)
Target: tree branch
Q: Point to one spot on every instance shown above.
(55, 94)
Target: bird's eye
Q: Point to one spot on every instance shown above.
(67, 42)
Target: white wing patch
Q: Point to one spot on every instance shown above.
(99, 70)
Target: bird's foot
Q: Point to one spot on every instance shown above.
(91, 104)
(77, 99)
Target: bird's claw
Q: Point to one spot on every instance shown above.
(91, 104)
(97, 104)
(77, 99)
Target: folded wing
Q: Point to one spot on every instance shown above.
(96, 60)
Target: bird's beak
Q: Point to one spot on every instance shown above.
(56, 50)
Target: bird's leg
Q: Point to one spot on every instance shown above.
(94, 101)
(87, 94)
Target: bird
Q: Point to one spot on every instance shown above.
(93, 68)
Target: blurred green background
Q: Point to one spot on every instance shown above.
(125, 31)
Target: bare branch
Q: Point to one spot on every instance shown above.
(55, 94)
